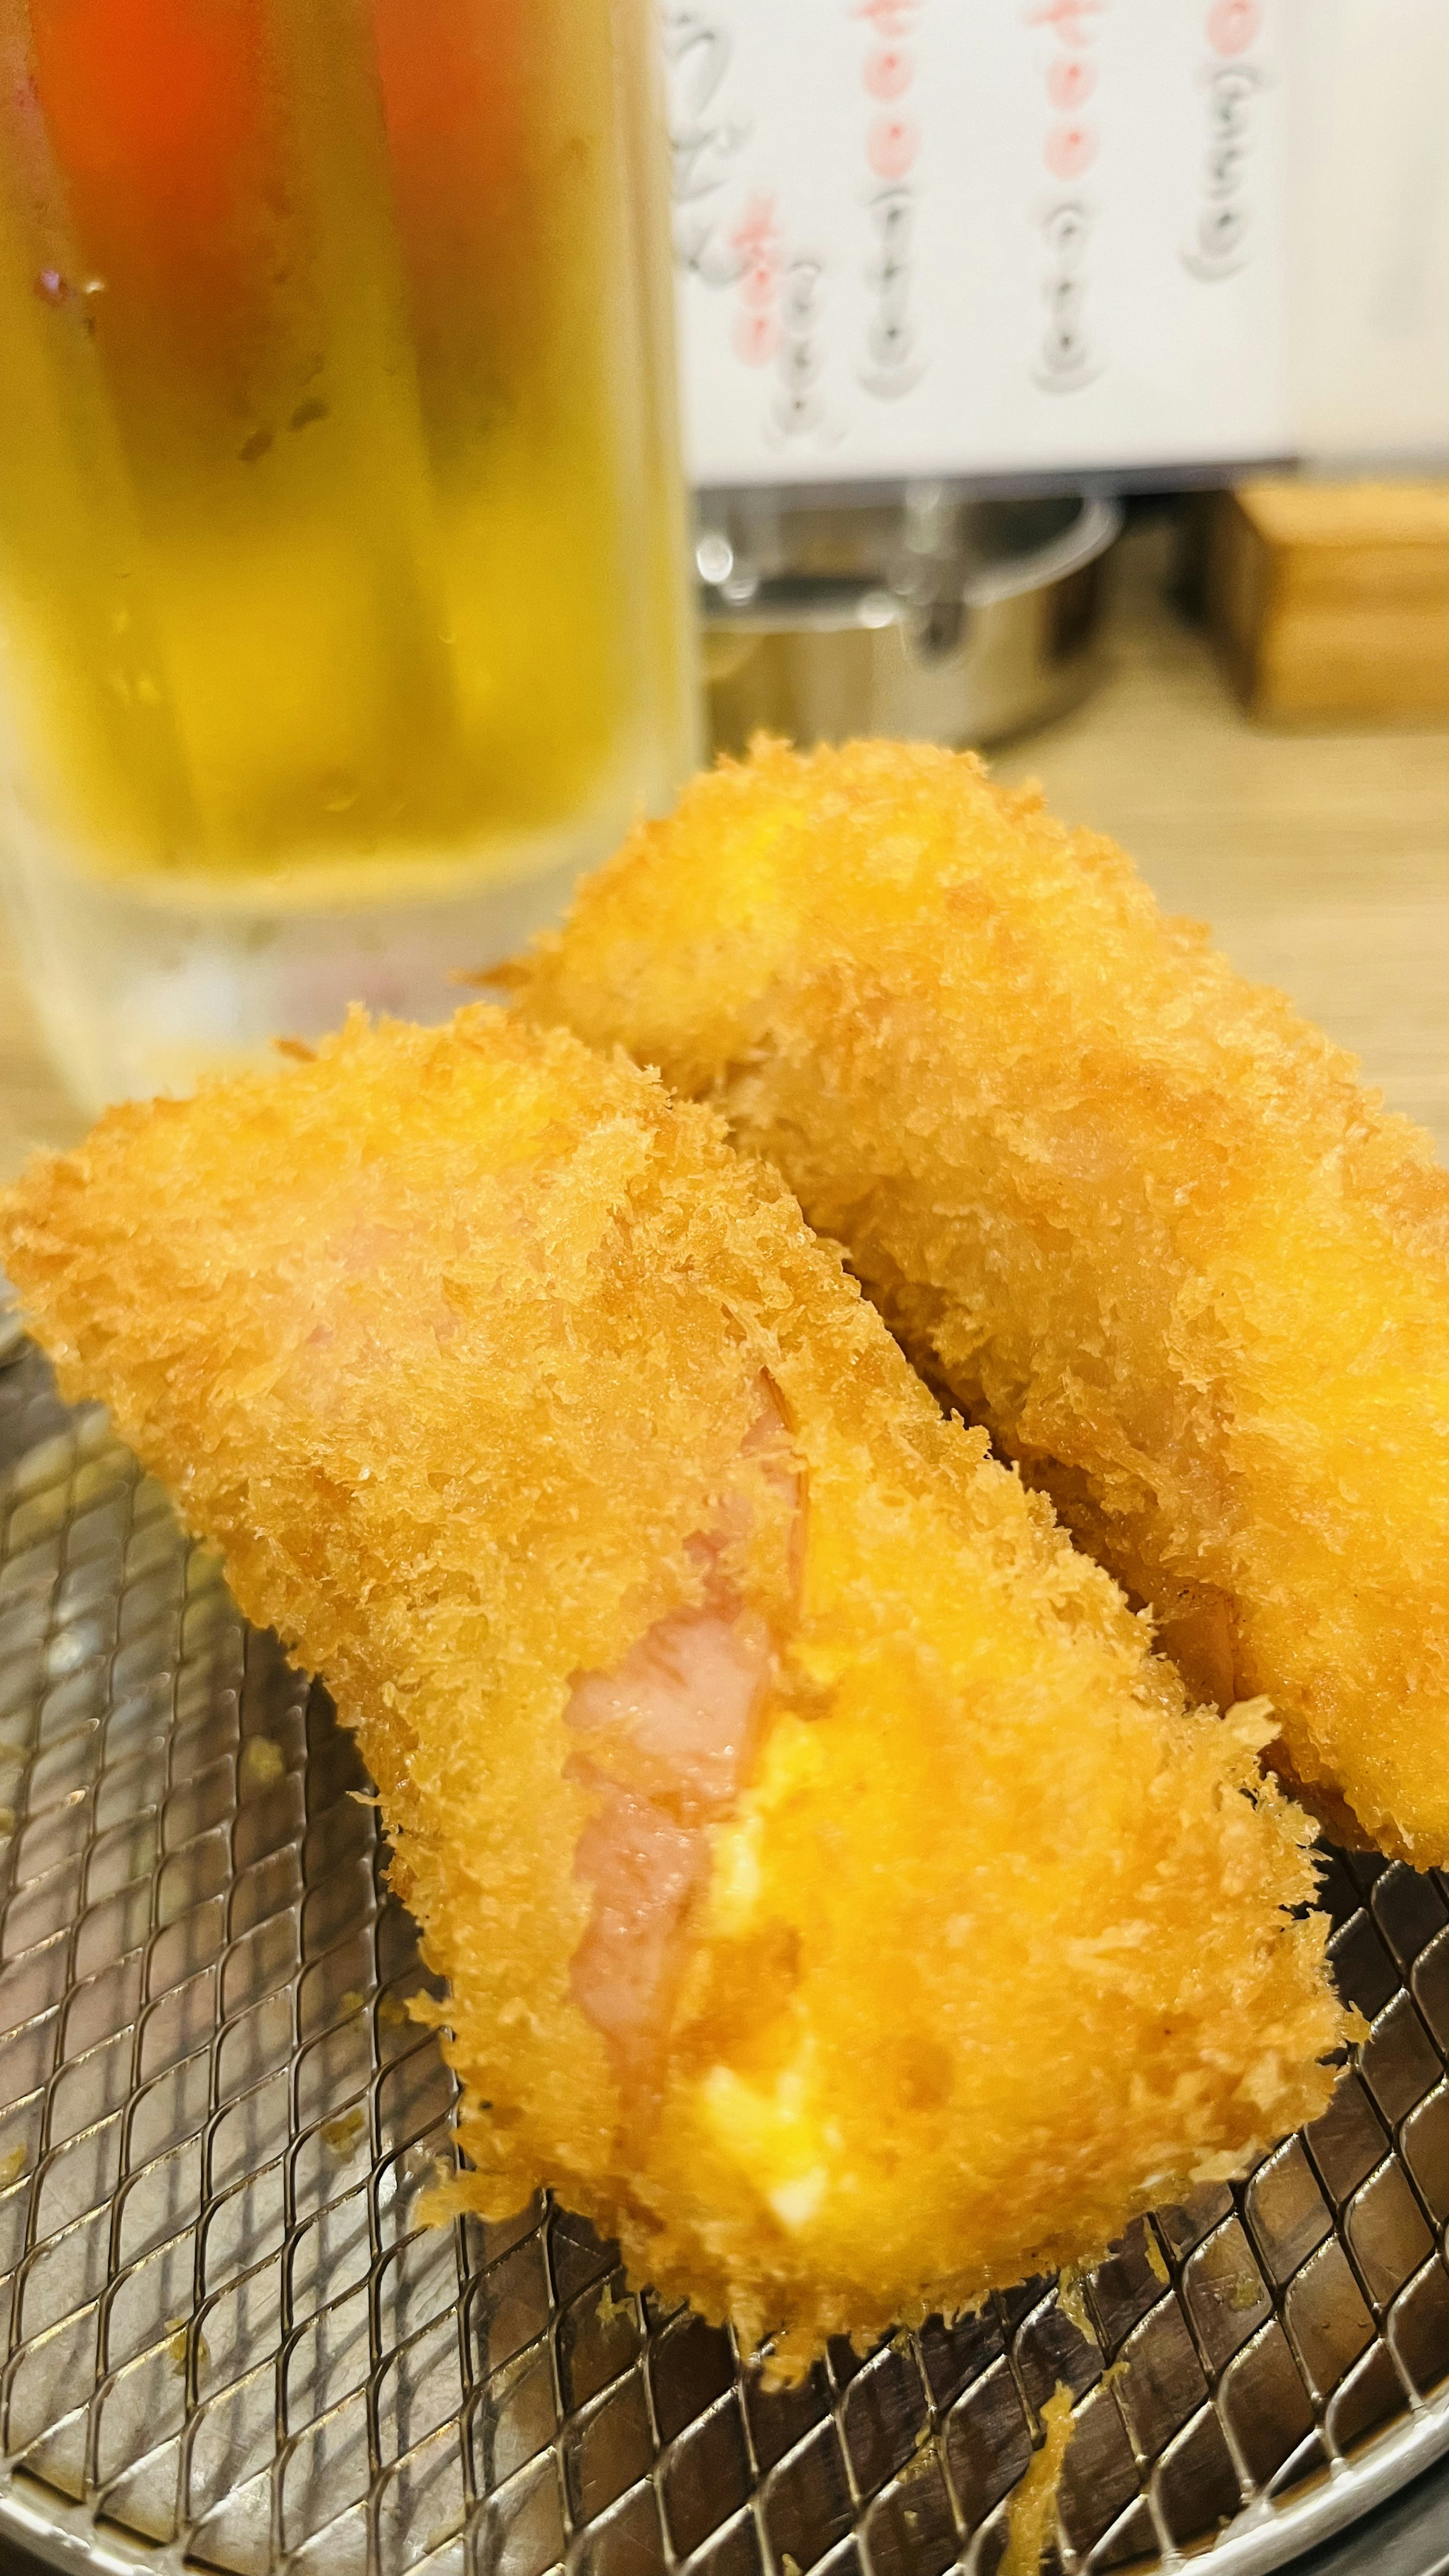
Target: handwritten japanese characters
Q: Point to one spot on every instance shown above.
(914, 238)
(1231, 78)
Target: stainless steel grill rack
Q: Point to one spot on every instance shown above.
(227, 2342)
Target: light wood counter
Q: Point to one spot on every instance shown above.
(1321, 860)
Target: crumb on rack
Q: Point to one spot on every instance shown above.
(340, 2136)
(1032, 2509)
(262, 1763)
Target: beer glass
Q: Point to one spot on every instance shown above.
(342, 594)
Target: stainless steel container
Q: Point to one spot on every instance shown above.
(922, 614)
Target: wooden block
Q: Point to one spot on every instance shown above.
(1330, 601)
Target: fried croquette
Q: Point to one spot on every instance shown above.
(1125, 1209)
(839, 1901)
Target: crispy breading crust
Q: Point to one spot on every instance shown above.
(450, 1341)
(1129, 1210)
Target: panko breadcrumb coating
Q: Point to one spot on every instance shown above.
(838, 1901)
(1130, 1211)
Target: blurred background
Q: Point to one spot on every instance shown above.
(1071, 380)
(1121, 259)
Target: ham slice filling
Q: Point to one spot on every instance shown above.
(669, 1741)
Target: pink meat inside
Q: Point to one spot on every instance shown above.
(680, 1719)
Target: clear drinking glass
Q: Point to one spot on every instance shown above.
(342, 601)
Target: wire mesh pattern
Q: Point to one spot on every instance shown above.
(226, 2333)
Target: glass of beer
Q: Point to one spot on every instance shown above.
(343, 613)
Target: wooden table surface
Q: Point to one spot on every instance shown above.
(1321, 861)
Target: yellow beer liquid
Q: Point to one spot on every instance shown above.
(332, 543)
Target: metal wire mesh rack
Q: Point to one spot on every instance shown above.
(228, 2343)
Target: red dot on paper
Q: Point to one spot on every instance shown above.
(756, 338)
(757, 285)
(889, 73)
(1070, 149)
(1071, 19)
(892, 146)
(1070, 84)
(756, 228)
(1232, 25)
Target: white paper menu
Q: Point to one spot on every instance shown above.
(978, 237)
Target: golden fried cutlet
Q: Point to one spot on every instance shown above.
(838, 1900)
(1130, 1211)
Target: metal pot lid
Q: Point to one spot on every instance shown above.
(813, 568)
